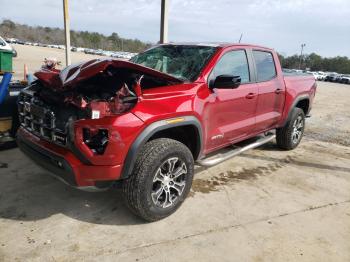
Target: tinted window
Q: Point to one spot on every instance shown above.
(232, 63)
(265, 65)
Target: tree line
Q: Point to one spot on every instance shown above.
(49, 35)
(315, 62)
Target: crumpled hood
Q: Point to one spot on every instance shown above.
(71, 75)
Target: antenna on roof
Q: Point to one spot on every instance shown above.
(240, 38)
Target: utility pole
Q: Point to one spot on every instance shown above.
(164, 22)
(301, 55)
(66, 31)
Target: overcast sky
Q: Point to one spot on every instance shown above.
(323, 25)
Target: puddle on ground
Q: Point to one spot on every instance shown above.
(4, 165)
(214, 183)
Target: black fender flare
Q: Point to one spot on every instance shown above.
(296, 101)
(152, 129)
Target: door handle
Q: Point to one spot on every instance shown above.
(250, 96)
(278, 91)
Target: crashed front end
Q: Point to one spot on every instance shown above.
(77, 122)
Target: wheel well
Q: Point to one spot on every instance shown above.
(304, 105)
(187, 134)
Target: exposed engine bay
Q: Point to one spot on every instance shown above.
(90, 90)
(113, 91)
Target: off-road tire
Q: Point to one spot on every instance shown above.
(284, 135)
(137, 188)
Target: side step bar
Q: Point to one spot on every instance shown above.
(212, 161)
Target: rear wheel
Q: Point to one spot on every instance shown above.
(161, 179)
(289, 136)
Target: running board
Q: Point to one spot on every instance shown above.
(221, 157)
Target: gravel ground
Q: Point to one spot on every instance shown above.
(264, 205)
(33, 57)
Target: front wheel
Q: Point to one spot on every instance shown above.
(289, 136)
(161, 179)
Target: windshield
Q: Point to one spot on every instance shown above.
(181, 61)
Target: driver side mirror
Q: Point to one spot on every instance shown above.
(226, 82)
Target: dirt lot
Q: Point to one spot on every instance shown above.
(265, 205)
(33, 57)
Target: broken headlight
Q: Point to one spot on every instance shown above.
(96, 139)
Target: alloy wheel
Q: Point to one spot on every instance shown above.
(298, 128)
(169, 182)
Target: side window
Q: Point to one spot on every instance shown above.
(232, 63)
(265, 65)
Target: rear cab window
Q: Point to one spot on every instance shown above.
(233, 63)
(265, 65)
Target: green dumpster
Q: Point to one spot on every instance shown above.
(5, 61)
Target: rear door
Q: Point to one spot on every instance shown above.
(231, 112)
(271, 89)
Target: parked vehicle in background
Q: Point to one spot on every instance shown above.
(80, 49)
(145, 122)
(338, 78)
(331, 77)
(20, 42)
(287, 71)
(77, 49)
(11, 40)
(116, 54)
(5, 46)
(88, 51)
(345, 79)
(314, 74)
(321, 76)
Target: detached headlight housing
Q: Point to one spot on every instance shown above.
(96, 140)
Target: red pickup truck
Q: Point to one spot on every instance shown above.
(146, 122)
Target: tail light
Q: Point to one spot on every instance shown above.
(96, 140)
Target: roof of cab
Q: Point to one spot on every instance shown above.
(217, 44)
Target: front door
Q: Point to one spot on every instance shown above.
(231, 112)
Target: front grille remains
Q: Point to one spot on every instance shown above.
(39, 119)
